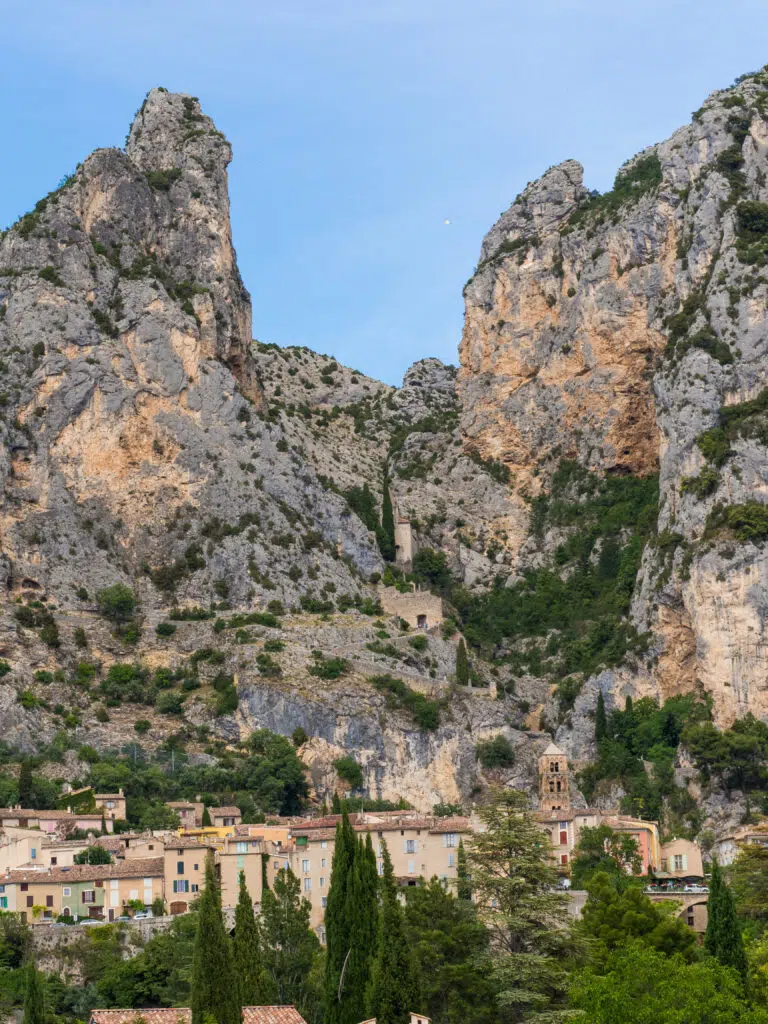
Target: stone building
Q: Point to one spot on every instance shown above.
(553, 780)
(420, 609)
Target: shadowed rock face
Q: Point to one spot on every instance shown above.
(612, 331)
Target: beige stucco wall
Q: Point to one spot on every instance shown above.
(411, 606)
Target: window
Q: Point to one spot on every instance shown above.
(195, 866)
(324, 902)
(563, 838)
(451, 860)
(179, 867)
(33, 853)
(24, 886)
(67, 890)
(322, 862)
(450, 839)
(307, 885)
(564, 858)
(409, 846)
(3, 902)
(323, 844)
(195, 888)
(305, 866)
(679, 860)
(30, 901)
(562, 824)
(180, 885)
(551, 786)
(381, 867)
(89, 895)
(322, 882)
(2, 888)
(54, 861)
(242, 847)
(411, 867)
(49, 901)
(240, 863)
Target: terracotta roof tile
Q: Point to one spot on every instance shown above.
(224, 812)
(173, 1016)
(150, 867)
(251, 1015)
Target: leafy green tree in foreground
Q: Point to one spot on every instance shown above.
(611, 917)
(515, 889)
(643, 986)
(723, 937)
(291, 951)
(363, 930)
(247, 950)
(394, 991)
(602, 849)
(450, 946)
(214, 990)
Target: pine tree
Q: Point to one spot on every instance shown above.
(214, 990)
(386, 536)
(463, 887)
(515, 890)
(246, 952)
(394, 991)
(26, 785)
(601, 719)
(363, 912)
(462, 664)
(723, 937)
(338, 921)
(206, 822)
(34, 995)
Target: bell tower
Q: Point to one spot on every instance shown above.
(554, 794)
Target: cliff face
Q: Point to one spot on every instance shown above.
(148, 441)
(626, 332)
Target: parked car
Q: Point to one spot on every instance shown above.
(142, 915)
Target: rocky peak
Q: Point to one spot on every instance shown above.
(538, 210)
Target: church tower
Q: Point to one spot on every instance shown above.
(553, 780)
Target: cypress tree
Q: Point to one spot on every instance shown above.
(34, 995)
(206, 822)
(338, 921)
(246, 952)
(462, 664)
(363, 931)
(264, 876)
(387, 534)
(601, 719)
(394, 991)
(723, 937)
(463, 888)
(336, 804)
(214, 990)
(25, 785)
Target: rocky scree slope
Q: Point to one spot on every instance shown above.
(147, 442)
(628, 335)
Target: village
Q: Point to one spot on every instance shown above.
(47, 876)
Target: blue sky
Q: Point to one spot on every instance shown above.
(359, 127)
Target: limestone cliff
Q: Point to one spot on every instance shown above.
(626, 332)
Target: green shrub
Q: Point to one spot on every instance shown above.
(495, 753)
(142, 726)
(117, 602)
(162, 180)
(5, 668)
(165, 629)
(350, 771)
(51, 275)
(299, 736)
(267, 666)
(747, 522)
(702, 485)
(169, 703)
(419, 642)
(425, 712)
(28, 700)
(80, 637)
(327, 668)
(274, 646)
